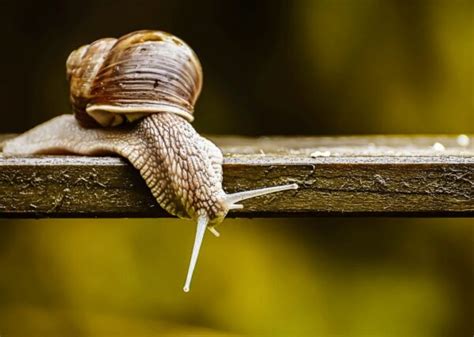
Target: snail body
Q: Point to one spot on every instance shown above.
(134, 96)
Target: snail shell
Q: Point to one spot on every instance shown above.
(113, 81)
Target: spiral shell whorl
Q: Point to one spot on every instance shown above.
(145, 72)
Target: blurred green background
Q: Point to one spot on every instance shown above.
(270, 67)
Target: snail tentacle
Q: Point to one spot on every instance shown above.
(231, 199)
(202, 222)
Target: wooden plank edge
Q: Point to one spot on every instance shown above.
(327, 188)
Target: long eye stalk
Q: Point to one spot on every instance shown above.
(233, 198)
(200, 230)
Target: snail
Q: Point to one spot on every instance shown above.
(134, 96)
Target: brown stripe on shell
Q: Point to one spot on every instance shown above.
(148, 67)
(82, 67)
(141, 73)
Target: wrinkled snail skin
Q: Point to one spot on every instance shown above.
(134, 97)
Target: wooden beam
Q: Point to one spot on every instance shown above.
(373, 175)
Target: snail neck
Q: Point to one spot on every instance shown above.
(183, 169)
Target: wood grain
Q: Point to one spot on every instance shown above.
(338, 176)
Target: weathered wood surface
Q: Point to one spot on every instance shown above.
(376, 175)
